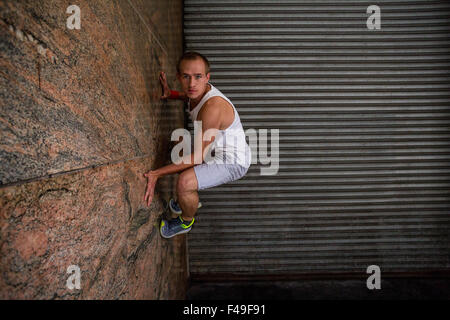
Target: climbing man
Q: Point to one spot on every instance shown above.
(215, 113)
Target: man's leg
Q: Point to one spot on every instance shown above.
(187, 194)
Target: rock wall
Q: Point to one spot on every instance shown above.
(80, 122)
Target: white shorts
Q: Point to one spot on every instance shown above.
(211, 175)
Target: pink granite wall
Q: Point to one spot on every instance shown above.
(80, 122)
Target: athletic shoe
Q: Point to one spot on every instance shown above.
(170, 228)
(175, 207)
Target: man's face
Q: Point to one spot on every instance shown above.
(193, 78)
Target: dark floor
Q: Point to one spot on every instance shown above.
(391, 289)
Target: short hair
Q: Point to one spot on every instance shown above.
(192, 55)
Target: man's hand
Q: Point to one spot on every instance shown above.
(151, 182)
(164, 85)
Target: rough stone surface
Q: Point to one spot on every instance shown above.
(74, 98)
(80, 122)
(94, 219)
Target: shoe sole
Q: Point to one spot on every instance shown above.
(180, 212)
(168, 237)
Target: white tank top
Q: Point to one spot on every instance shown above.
(230, 145)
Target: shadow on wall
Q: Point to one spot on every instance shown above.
(81, 121)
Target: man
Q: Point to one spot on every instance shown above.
(232, 154)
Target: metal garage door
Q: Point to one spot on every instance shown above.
(364, 129)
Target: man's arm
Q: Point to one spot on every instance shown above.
(210, 116)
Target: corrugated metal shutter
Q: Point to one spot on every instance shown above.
(364, 120)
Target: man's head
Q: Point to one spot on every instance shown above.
(193, 74)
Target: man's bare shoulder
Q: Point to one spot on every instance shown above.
(216, 102)
(217, 109)
(213, 107)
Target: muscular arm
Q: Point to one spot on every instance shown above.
(210, 115)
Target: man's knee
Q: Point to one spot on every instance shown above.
(187, 181)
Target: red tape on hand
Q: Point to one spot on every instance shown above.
(174, 94)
